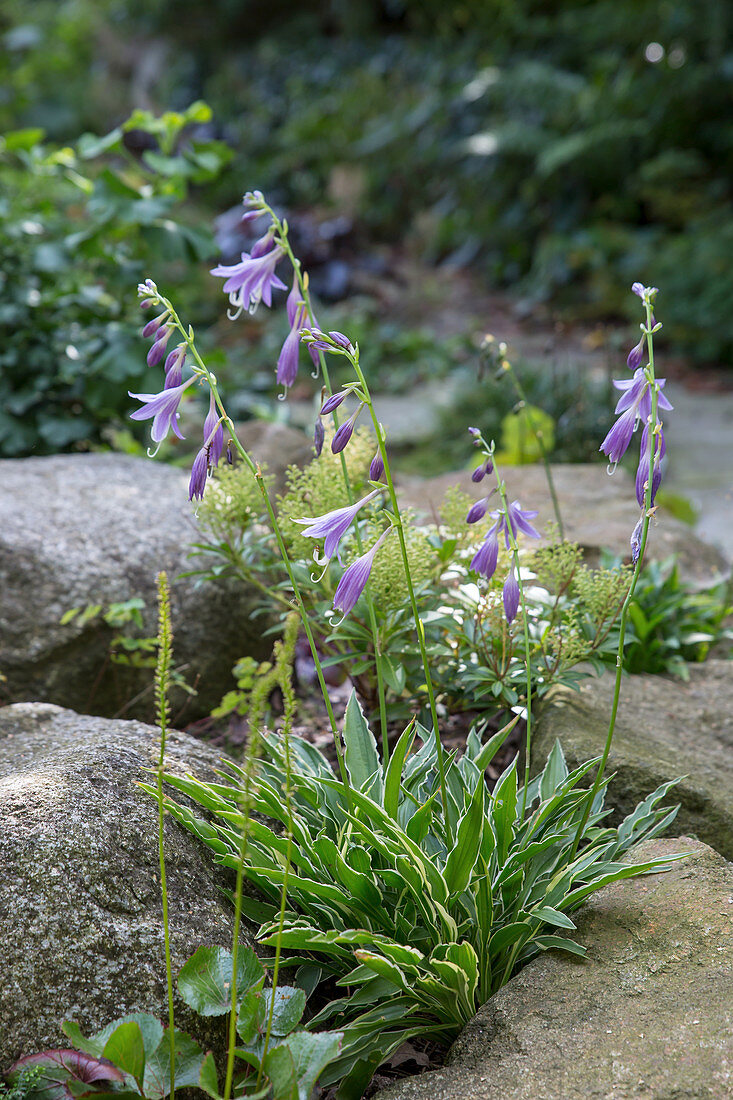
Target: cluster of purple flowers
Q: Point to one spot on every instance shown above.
(484, 561)
(634, 408)
(331, 528)
(162, 407)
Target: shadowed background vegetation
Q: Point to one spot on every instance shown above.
(563, 149)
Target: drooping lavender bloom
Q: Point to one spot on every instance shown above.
(163, 408)
(213, 433)
(294, 301)
(332, 526)
(485, 559)
(253, 279)
(174, 367)
(511, 596)
(344, 432)
(287, 363)
(157, 351)
(209, 455)
(634, 404)
(354, 579)
(636, 355)
(319, 436)
(642, 472)
(332, 403)
(518, 519)
(376, 467)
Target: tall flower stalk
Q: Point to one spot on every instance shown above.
(149, 292)
(338, 344)
(507, 367)
(653, 398)
(303, 316)
(509, 519)
(162, 686)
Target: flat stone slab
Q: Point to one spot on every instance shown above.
(647, 1016)
(599, 511)
(81, 922)
(96, 529)
(664, 729)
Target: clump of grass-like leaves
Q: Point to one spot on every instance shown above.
(416, 928)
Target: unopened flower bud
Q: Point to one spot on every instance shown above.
(376, 468)
(636, 541)
(478, 510)
(332, 402)
(479, 473)
(340, 339)
(343, 435)
(636, 355)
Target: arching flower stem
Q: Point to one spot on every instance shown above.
(210, 379)
(488, 450)
(650, 328)
(281, 232)
(419, 629)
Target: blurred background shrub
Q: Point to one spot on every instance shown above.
(563, 148)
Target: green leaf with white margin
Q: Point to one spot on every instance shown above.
(488, 751)
(205, 981)
(393, 772)
(551, 916)
(554, 772)
(360, 751)
(560, 944)
(294, 1065)
(464, 853)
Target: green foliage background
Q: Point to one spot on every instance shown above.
(535, 138)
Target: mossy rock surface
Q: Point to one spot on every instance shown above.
(96, 529)
(664, 728)
(647, 1016)
(81, 921)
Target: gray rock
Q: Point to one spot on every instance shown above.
(96, 529)
(647, 1016)
(664, 729)
(598, 511)
(80, 904)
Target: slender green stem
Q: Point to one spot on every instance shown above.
(162, 684)
(254, 468)
(507, 366)
(419, 629)
(647, 514)
(305, 292)
(501, 489)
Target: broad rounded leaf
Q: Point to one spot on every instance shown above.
(205, 982)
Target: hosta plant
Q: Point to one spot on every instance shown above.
(418, 916)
